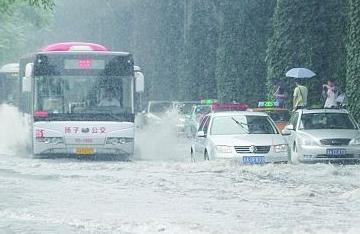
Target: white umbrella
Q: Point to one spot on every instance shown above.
(300, 73)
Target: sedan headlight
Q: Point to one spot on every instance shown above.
(355, 141)
(50, 140)
(181, 120)
(119, 140)
(308, 142)
(280, 148)
(224, 149)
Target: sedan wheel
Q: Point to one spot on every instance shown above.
(206, 156)
(192, 156)
(294, 154)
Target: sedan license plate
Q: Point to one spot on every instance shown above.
(335, 152)
(84, 151)
(254, 159)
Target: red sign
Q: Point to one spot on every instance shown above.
(39, 133)
(84, 63)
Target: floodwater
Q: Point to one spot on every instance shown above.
(163, 192)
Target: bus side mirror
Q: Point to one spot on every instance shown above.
(139, 82)
(26, 82)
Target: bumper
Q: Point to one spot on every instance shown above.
(270, 157)
(42, 150)
(316, 154)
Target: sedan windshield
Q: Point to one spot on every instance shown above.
(280, 116)
(326, 121)
(241, 124)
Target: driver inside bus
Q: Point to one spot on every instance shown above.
(108, 99)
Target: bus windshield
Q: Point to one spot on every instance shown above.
(82, 94)
(75, 89)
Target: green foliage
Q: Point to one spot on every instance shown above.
(200, 51)
(241, 68)
(17, 31)
(158, 45)
(45, 4)
(353, 58)
(190, 49)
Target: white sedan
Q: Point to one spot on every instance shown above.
(250, 137)
(323, 135)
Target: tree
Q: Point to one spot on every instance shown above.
(353, 58)
(201, 42)
(241, 68)
(158, 44)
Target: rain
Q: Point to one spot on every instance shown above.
(192, 116)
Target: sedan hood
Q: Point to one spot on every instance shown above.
(247, 139)
(330, 133)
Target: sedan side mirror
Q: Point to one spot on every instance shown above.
(200, 134)
(286, 132)
(289, 127)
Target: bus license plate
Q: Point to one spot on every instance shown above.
(84, 151)
(335, 152)
(253, 159)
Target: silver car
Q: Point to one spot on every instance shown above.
(250, 137)
(323, 135)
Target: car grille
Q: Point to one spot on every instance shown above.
(252, 149)
(335, 156)
(338, 141)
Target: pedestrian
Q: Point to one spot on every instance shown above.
(331, 93)
(279, 93)
(300, 95)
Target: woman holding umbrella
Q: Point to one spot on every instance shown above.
(279, 93)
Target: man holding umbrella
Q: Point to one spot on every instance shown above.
(300, 96)
(300, 92)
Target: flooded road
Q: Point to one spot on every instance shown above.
(162, 192)
(69, 196)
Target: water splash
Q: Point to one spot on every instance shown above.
(158, 140)
(14, 130)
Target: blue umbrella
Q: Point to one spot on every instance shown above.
(300, 73)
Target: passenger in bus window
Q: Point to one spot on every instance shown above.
(108, 99)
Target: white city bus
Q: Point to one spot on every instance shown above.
(9, 83)
(81, 99)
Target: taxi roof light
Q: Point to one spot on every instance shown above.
(209, 101)
(269, 104)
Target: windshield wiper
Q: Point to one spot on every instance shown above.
(240, 125)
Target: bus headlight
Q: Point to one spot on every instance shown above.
(119, 140)
(50, 140)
